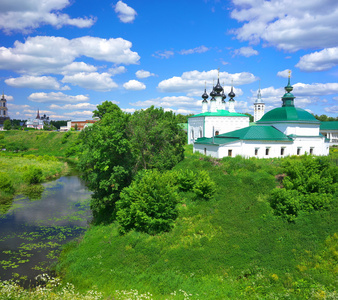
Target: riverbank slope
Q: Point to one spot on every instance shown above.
(231, 247)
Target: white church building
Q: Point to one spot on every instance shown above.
(283, 131)
(215, 119)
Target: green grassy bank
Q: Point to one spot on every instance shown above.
(37, 142)
(231, 247)
(26, 154)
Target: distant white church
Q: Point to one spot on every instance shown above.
(215, 119)
(283, 131)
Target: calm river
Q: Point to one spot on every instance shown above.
(32, 231)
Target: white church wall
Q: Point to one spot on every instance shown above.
(298, 129)
(208, 126)
(209, 150)
(195, 129)
(224, 124)
(266, 149)
(315, 146)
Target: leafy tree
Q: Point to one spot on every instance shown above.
(148, 204)
(48, 127)
(7, 124)
(183, 118)
(75, 127)
(102, 109)
(251, 118)
(17, 124)
(310, 184)
(119, 145)
(58, 124)
(157, 141)
(325, 118)
(106, 162)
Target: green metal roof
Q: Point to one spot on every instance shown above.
(255, 133)
(219, 113)
(288, 114)
(333, 125)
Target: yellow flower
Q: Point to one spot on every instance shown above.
(274, 277)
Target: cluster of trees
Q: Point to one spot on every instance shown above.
(311, 184)
(115, 149)
(325, 118)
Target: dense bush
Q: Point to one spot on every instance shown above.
(204, 187)
(310, 184)
(33, 175)
(185, 180)
(14, 147)
(65, 137)
(148, 204)
(5, 183)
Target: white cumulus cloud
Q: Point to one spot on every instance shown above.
(245, 51)
(117, 70)
(85, 114)
(76, 67)
(194, 81)
(332, 109)
(35, 82)
(93, 81)
(26, 15)
(143, 74)
(83, 106)
(49, 54)
(200, 49)
(163, 54)
(284, 74)
(287, 24)
(319, 60)
(56, 97)
(125, 13)
(134, 85)
(169, 101)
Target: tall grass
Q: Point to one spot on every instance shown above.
(230, 247)
(37, 142)
(15, 169)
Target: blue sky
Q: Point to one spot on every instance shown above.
(64, 57)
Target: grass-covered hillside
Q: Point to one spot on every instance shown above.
(37, 142)
(230, 247)
(31, 157)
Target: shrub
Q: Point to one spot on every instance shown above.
(148, 204)
(285, 203)
(33, 175)
(6, 183)
(309, 185)
(186, 180)
(204, 188)
(65, 137)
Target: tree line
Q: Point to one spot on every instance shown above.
(113, 151)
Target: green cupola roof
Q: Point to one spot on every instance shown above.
(288, 98)
(288, 112)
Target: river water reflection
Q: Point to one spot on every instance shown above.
(32, 231)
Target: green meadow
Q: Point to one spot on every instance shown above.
(28, 158)
(232, 246)
(37, 142)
